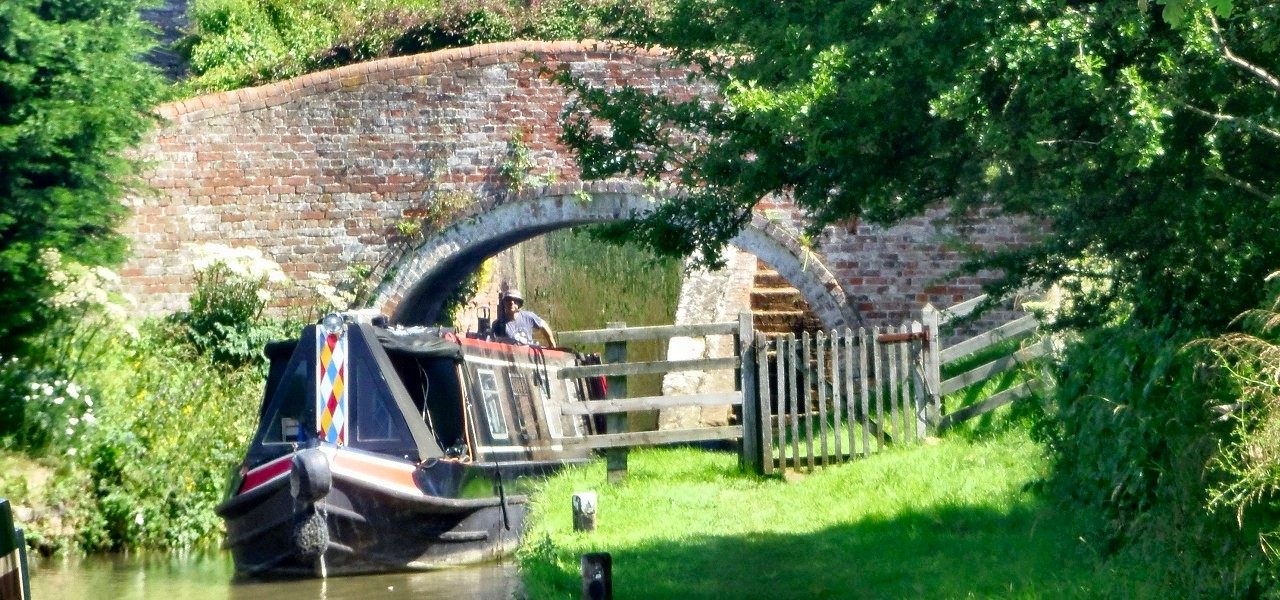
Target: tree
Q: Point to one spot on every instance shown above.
(74, 96)
(1151, 151)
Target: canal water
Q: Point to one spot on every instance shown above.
(211, 577)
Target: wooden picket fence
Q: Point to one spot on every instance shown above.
(831, 397)
(806, 401)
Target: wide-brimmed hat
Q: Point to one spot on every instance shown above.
(515, 294)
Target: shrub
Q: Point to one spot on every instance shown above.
(73, 98)
(1133, 442)
(47, 394)
(232, 288)
(151, 468)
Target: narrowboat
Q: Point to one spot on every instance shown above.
(388, 448)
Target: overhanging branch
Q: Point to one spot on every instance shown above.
(1231, 57)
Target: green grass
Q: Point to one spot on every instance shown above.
(577, 282)
(951, 520)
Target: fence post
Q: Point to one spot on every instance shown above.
(932, 366)
(616, 458)
(751, 458)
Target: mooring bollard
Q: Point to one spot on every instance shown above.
(597, 576)
(584, 511)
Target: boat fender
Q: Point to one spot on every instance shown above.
(311, 534)
(311, 479)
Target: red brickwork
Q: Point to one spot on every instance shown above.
(317, 171)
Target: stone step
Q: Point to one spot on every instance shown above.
(787, 298)
(786, 321)
(768, 278)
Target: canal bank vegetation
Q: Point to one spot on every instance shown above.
(239, 43)
(122, 435)
(959, 518)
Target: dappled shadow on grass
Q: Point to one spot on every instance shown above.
(953, 552)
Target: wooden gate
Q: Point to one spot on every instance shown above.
(832, 396)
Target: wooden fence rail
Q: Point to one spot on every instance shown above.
(817, 399)
(615, 368)
(1018, 328)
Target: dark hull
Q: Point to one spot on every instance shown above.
(362, 525)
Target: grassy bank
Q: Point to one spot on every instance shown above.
(951, 520)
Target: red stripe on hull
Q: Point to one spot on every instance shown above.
(266, 473)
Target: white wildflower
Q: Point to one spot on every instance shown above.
(70, 431)
(59, 400)
(73, 390)
(73, 421)
(71, 451)
(89, 418)
(106, 275)
(88, 400)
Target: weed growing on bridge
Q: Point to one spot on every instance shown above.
(516, 169)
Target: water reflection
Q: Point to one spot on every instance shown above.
(209, 577)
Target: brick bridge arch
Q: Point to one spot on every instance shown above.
(424, 277)
(318, 171)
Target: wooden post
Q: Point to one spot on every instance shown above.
(919, 381)
(806, 395)
(764, 390)
(932, 366)
(822, 380)
(584, 511)
(751, 458)
(793, 393)
(616, 458)
(597, 576)
(837, 396)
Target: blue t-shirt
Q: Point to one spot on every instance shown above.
(521, 327)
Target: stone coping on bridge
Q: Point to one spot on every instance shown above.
(439, 61)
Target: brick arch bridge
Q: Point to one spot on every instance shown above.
(414, 295)
(318, 171)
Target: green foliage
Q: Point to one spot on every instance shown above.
(517, 168)
(1142, 145)
(1134, 443)
(46, 393)
(151, 468)
(235, 43)
(226, 319)
(73, 98)
(1248, 458)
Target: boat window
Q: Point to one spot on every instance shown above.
(294, 393)
(376, 418)
(492, 403)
